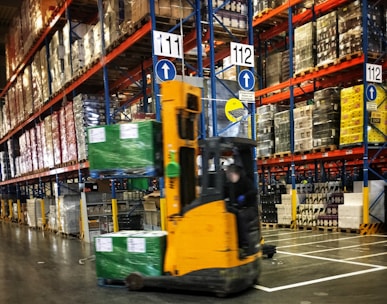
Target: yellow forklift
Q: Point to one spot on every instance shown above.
(202, 251)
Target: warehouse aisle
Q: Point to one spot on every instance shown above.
(310, 267)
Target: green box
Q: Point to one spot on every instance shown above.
(121, 253)
(131, 148)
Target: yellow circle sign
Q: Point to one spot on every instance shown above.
(234, 110)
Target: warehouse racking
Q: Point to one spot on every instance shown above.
(124, 66)
(345, 71)
(104, 74)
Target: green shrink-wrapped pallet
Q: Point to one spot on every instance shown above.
(121, 253)
(131, 148)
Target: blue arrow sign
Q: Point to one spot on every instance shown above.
(165, 70)
(371, 92)
(246, 80)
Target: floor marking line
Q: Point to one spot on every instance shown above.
(366, 256)
(287, 233)
(306, 236)
(331, 278)
(344, 247)
(326, 241)
(305, 255)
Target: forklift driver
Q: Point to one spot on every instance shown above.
(243, 202)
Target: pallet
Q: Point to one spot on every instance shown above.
(269, 225)
(325, 65)
(306, 228)
(262, 13)
(327, 229)
(282, 154)
(324, 149)
(348, 230)
(304, 72)
(111, 283)
(349, 57)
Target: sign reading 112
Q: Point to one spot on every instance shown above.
(167, 44)
(242, 54)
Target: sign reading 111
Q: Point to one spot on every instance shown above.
(167, 44)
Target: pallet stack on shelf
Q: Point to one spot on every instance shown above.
(326, 118)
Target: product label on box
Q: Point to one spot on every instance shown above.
(97, 135)
(136, 245)
(128, 131)
(104, 245)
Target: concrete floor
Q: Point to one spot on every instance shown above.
(310, 267)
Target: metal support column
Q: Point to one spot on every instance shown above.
(104, 67)
(291, 91)
(365, 123)
(212, 68)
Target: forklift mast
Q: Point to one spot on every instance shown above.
(181, 107)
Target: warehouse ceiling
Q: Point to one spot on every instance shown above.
(8, 9)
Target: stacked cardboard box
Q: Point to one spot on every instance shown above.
(327, 46)
(56, 60)
(285, 65)
(303, 133)
(262, 5)
(326, 117)
(25, 28)
(304, 47)
(265, 130)
(282, 131)
(351, 212)
(69, 213)
(232, 15)
(5, 172)
(350, 28)
(269, 210)
(71, 139)
(273, 69)
(56, 138)
(352, 116)
(89, 111)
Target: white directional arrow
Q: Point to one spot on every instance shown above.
(246, 77)
(165, 67)
(372, 91)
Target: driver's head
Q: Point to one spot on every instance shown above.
(233, 173)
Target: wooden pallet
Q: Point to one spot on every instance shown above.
(269, 225)
(282, 154)
(348, 230)
(327, 229)
(324, 149)
(262, 13)
(349, 57)
(304, 72)
(306, 227)
(326, 65)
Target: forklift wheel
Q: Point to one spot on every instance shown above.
(134, 281)
(270, 256)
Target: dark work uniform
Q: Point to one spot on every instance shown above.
(246, 211)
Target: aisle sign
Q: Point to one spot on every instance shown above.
(246, 80)
(371, 92)
(242, 54)
(167, 44)
(165, 70)
(374, 73)
(248, 96)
